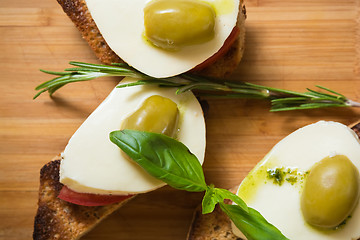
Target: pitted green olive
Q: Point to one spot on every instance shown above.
(331, 192)
(157, 114)
(177, 23)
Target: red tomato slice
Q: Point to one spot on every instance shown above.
(227, 44)
(89, 199)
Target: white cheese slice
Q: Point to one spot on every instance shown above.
(121, 23)
(91, 163)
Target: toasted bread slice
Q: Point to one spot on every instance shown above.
(217, 225)
(57, 219)
(81, 17)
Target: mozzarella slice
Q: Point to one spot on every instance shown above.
(121, 23)
(91, 163)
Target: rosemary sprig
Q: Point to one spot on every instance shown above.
(281, 100)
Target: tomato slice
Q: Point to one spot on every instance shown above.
(224, 49)
(89, 199)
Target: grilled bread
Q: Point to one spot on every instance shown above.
(81, 17)
(58, 219)
(215, 225)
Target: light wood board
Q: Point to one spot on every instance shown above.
(289, 44)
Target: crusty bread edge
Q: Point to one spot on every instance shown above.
(58, 219)
(215, 225)
(81, 17)
(79, 14)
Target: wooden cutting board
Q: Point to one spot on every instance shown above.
(289, 44)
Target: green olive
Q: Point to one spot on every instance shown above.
(157, 114)
(331, 192)
(177, 23)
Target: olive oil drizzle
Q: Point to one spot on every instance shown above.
(281, 174)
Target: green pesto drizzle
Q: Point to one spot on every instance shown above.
(280, 174)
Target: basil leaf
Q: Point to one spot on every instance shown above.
(217, 195)
(162, 157)
(171, 161)
(210, 200)
(251, 223)
(226, 194)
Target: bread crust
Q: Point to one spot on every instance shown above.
(79, 14)
(215, 225)
(81, 17)
(58, 219)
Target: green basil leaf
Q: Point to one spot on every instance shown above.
(226, 194)
(251, 223)
(217, 195)
(162, 157)
(210, 200)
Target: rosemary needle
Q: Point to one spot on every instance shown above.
(281, 100)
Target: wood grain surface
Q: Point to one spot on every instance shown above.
(289, 44)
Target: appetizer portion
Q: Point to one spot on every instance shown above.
(278, 194)
(308, 185)
(163, 38)
(94, 177)
(92, 164)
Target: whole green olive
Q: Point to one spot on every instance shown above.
(157, 114)
(177, 23)
(331, 192)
